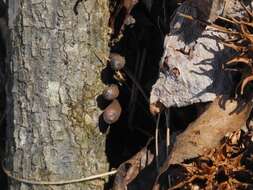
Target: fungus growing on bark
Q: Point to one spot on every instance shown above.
(111, 92)
(117, 62)
(112, 112)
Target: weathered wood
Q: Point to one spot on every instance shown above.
(193, 54)
(53, 82)
(191, 64)
(129, 170)
(208, 130)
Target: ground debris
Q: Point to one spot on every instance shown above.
(229, 166)
(132, 168)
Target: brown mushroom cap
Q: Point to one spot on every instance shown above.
(117, 62)
(111, 92)
(112, 112)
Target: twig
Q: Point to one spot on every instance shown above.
(167, 116)
(215, 26)
(131, 105)
(143, 109)
(164, 13)
(156, 141)
(129, 74)
(246, 9)
(134, 94)
(181, 184)
(62, 182)
(144, 132)
(227, 20)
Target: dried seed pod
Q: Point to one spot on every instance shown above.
(117, 61)
(112, 112)
(111, 92)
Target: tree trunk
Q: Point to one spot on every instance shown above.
(54, 79)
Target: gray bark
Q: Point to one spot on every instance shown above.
(54, 79)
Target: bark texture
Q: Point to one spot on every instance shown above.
(54, 79)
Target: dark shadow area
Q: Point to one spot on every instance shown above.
(3, 79)
(189, 30)
(101, 102)
(142, 47)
